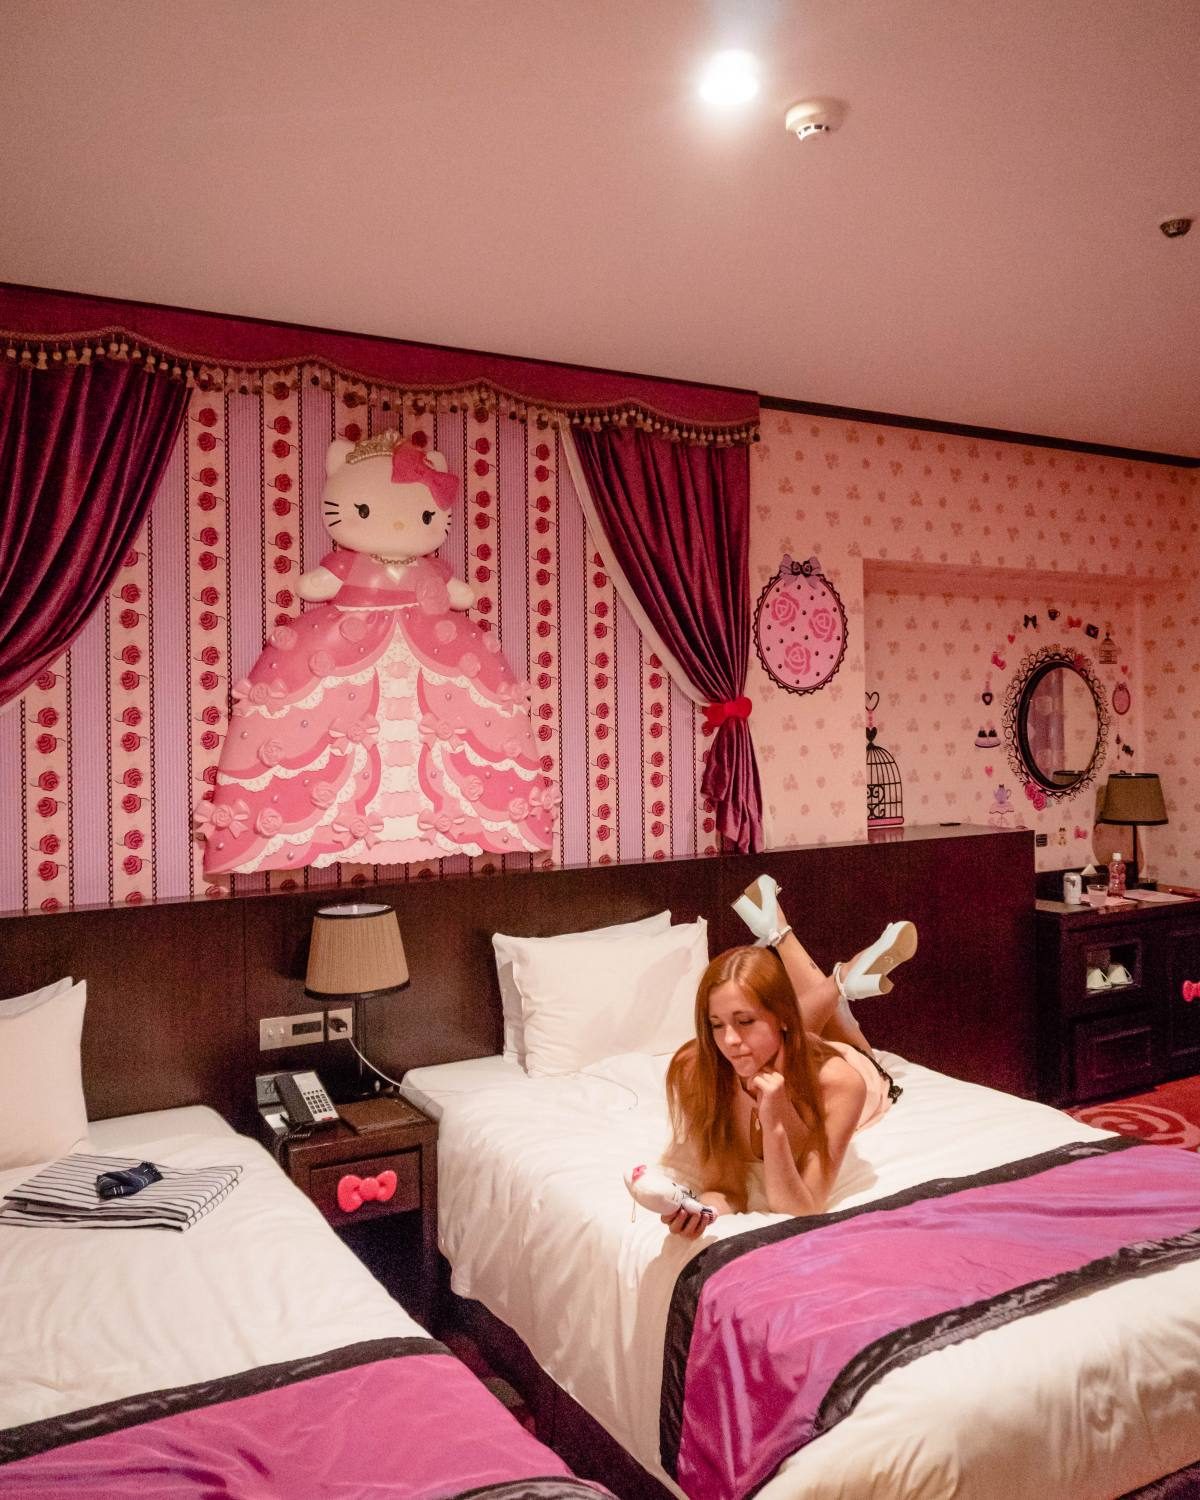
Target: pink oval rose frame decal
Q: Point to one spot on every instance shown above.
(800, 627)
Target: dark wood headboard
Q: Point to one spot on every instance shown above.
(176, 991)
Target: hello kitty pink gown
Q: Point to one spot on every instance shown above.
(381, 727)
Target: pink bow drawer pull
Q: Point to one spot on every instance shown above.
(1190, 989)
(353, 1192)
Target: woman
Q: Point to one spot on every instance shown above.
(780, 1072)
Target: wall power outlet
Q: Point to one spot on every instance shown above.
(339, 1024)
(299, 1031)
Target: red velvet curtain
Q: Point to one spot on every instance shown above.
(677, 519)
(82, 450)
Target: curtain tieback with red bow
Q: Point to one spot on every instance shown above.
(715, 714)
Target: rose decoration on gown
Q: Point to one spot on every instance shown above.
(384, 725)
(800, 627)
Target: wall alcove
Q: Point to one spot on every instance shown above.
(943, 647)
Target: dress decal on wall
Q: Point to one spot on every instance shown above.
(384, 725)
(1002, 813)
(885, 795)
(800, 627)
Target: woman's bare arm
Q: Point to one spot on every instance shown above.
(797, 1180)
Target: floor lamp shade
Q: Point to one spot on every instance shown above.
(355, 952)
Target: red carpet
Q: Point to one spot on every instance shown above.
(1167, 1116)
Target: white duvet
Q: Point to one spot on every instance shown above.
(88, 1316)
(1084, 1402)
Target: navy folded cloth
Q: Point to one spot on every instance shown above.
(125, 1184)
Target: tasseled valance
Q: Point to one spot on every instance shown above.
(42, 329)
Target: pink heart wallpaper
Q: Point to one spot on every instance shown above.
(954, 558)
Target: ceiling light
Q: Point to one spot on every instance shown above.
(730, 79)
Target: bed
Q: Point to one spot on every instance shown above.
(252, 1355)
(1096, 1395)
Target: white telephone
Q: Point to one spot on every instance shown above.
(301, 1096)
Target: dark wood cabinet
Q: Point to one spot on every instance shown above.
(367, 1174)
(1102, 1036)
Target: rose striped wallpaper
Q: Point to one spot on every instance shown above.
(103, 759)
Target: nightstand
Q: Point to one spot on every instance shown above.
(378, 1162)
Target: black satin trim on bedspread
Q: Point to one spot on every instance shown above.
(550, 1488)
(930, 1334)
(686, 1296)
(149, 1406)
(1184, 1484)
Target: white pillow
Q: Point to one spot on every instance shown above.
(584, 1001)
(19, 1004)
(42, 1110)
(507, 948)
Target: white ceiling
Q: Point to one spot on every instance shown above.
(978, 243)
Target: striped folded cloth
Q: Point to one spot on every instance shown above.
(64, 1195)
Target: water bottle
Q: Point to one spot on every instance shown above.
(1116, 875)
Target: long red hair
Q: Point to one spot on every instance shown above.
(702, 1086)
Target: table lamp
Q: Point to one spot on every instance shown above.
(1134, 798)
(355, 954)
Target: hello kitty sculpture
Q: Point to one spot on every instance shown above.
(383, 725)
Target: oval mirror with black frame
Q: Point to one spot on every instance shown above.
(1056, 721)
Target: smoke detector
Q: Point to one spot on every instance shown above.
(813, 117)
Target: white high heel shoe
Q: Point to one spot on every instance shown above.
(867, 974)
(759, 909)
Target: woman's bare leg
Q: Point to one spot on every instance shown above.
(822, 1009)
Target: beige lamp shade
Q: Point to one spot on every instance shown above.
(1133, 797)
(355, 950)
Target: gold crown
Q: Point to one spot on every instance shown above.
(380, 446)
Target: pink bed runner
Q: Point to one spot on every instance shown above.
(773, 1336)
(395, 1417)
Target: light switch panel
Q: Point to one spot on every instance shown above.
(291, 1031)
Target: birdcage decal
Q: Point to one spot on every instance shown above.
(885, 794)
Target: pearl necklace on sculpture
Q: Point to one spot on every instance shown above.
(392, 566)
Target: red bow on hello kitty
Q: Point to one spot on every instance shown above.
(353, 1192)
(1191, 989)
(411, 466)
